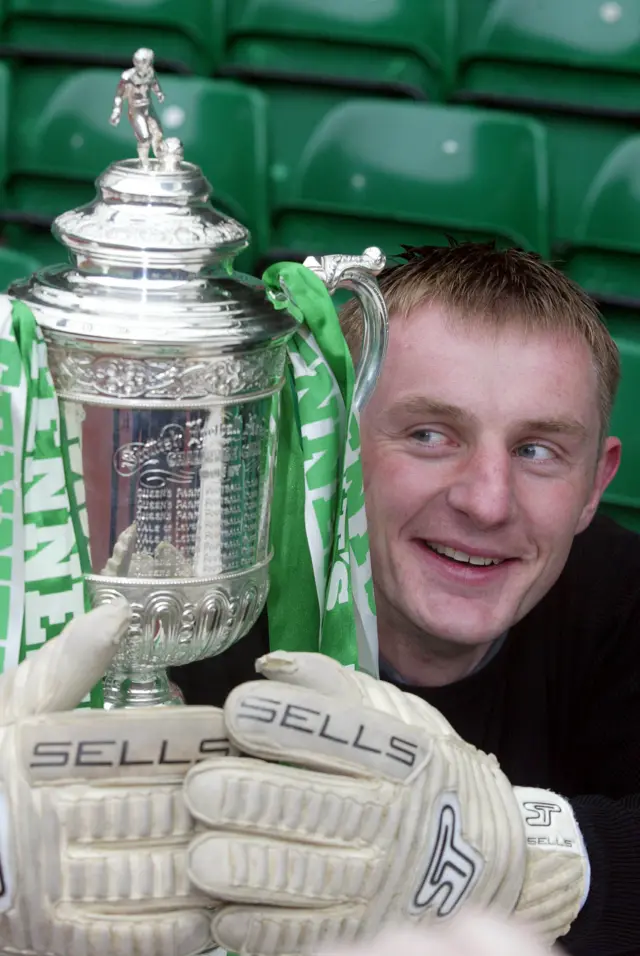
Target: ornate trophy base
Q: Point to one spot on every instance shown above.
(173, 622)
(140, 690)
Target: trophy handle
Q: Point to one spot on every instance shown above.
(358, 274)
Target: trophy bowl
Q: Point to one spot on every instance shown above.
(168, 366)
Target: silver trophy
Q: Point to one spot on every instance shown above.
(168, 366)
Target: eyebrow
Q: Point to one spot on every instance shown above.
(418, 405)
(431, 408)
(560, 426)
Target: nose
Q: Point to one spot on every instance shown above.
(483, 489)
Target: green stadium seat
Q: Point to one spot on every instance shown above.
(295, 112)
(576, 53)
(574, 64)
(406, 46)
(377, 172)
(35, 242)
(578, 148)
(627, 517)
(622, 498)
(5, 99)
(187, 35)
(15, 265)
(604, 254)
(62, 140)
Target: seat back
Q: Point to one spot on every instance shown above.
(604, 255)
(622, 498)
(577, 53)
(35, 242)
(14, 265)
(185, 34)
(578, 148)
(389, 170)
(5, 99)
(403, 44)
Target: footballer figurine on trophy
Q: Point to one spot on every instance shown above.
(136, 86)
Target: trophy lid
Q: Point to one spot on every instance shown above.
(151, 258)
(152, 215)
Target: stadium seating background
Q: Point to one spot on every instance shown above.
(331, 125)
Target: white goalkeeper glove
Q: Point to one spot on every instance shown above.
(378, 811)
(93, 826)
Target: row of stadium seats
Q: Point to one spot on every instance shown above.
(540, 51)
(303, 180)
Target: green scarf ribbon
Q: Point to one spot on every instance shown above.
(321, 589)
(43, 528)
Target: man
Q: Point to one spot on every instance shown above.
(507, 625)
(502, 602)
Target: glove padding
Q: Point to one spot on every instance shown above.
(93, 826)
(378, 812)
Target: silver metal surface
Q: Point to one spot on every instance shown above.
(168, 366)
(358, 274)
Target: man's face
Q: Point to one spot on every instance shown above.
(480, 458)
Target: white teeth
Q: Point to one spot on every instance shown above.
(462, 557)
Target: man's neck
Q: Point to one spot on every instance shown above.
(424, 661)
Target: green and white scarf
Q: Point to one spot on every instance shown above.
(43, 549)
(321, 588)
(321, 592)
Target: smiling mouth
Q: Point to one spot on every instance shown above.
(460, 557)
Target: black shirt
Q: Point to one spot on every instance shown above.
(559, 706)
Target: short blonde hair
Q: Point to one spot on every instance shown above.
(496, 288)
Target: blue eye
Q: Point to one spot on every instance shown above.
(426, 436)
(535, 452)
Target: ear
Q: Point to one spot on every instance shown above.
(606, 469)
